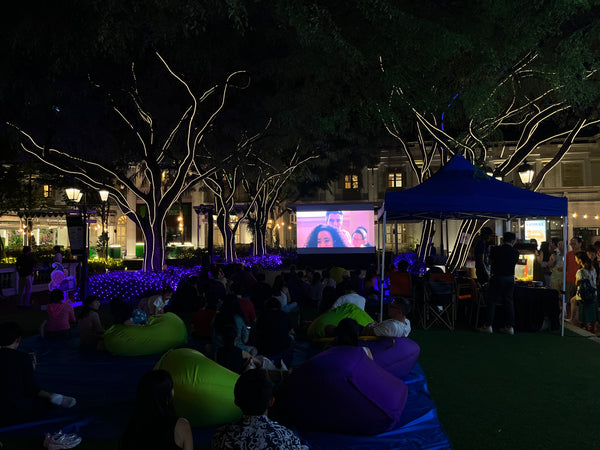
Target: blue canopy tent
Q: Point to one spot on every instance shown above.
(459, 190)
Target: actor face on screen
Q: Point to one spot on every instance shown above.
(324, 239)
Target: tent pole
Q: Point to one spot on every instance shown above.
(564, 277)
(382, 272)
(441, 237)
(447, 240)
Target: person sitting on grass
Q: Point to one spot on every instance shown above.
(230, 355)
(347, 333)
(230, 313)
(154, 425)
(397, 325)
(123, 314)
(60, 317)
(253, 393)
(22, 399)
(155, 304)
(274, 330)
(90, 326)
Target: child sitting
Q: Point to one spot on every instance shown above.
(231, 356)
(60, 314)
(90, 327)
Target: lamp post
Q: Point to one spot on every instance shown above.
(526, 173)
(104, 218)
(207, 210)
(78, 221)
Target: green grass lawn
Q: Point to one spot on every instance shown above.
(527, 391)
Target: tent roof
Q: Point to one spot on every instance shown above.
(459, 190)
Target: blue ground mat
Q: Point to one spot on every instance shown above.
(105, 386)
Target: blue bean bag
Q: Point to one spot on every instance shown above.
(162, 333)
(341, 390)
(396, 355)
(316, 329)
(203, 388)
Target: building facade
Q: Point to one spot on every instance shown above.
(576, 176)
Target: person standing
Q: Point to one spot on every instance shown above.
(57, 255)
(545, 254)
(572, 267)
(25, 264)
(482, 267)
(557, 263)
(503, 260)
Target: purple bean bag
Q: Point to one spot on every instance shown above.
(396, 355)
(342, 391)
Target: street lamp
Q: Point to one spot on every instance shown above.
(77, 224)
(77, 221)
(104, 217)
(73, 194)
(207, 210)
(526, 173)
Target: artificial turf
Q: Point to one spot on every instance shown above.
(527, 391)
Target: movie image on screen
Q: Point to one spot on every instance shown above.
(335, 229)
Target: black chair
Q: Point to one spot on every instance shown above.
(439, 305)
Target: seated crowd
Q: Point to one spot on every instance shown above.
(244, 322)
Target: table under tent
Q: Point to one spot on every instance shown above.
(459, 190)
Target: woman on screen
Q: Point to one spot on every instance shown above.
(324, 236)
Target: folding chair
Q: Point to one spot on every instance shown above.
(439, 305)
(467, 293)
(401, 285)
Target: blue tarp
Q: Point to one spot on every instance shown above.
(459, 190)
(105, 385)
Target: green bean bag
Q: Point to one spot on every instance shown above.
(203, 388)
(162, 333)
(316, 329)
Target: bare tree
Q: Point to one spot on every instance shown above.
(264, 182)
(225, 184)
(141, 182)
(537, 120)
(262, 175)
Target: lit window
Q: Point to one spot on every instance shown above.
(47, 191)
(394, 179)
(350, 181)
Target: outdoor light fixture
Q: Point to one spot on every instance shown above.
(103, 195)
(526, 173)
(73, 194)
